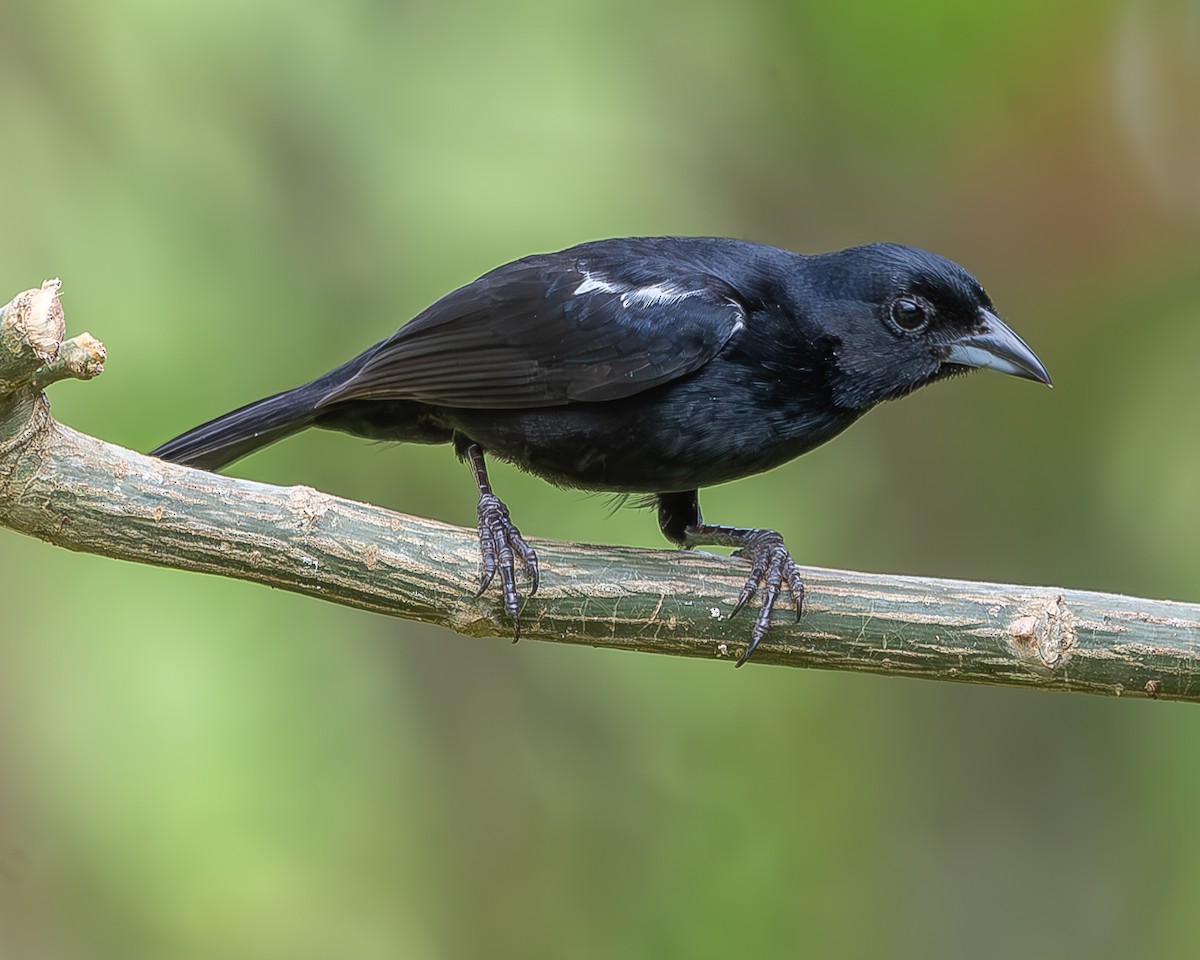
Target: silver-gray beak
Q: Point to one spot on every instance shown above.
(995, 347)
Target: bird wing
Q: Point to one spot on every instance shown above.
(551, 330)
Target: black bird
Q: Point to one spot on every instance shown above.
(649, 366)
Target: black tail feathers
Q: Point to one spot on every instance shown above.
(220, 442)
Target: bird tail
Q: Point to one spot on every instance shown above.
(236, 434)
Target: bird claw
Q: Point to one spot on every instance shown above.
(500, 544)
(771, 567)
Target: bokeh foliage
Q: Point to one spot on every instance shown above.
(238, 196)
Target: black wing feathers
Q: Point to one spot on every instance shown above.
(550, 330)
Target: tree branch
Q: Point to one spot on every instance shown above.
(78, 492)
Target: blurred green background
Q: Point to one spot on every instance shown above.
(237, 196)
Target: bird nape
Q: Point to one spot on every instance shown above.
(650, 365)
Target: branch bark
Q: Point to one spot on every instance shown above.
(81, 493)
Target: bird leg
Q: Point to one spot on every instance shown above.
(500, 542)
(771, 566)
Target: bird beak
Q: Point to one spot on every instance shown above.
(996, 347)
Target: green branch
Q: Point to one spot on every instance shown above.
(78, 492)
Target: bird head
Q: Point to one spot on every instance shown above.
(904, 318)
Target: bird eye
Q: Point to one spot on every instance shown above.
(910, 314)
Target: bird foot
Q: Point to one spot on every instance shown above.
(771, 567)
(500, 543)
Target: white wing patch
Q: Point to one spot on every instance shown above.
(593, 283)
(657, 293)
